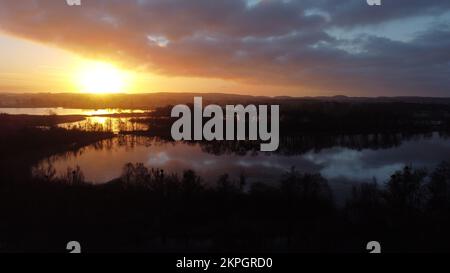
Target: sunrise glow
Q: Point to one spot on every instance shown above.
(101, 78)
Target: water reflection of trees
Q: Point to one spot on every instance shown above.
(296, 145)
(107, 124)
(289, 146)
(128, 142)
(24, 147)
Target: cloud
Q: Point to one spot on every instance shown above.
(280, 43)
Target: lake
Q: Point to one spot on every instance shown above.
(95, 119)
(342, 166)
(109, 124)
(67, 111)
(342, 159)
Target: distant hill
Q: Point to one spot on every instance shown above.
(152, 100)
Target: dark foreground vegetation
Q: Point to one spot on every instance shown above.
(151, 211)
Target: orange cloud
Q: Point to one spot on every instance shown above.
(277, 43)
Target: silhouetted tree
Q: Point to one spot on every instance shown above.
(141, 175)
(44, 172)
(242, 181)
(225, 185)
(439, 187)
(305, 187)
(406, 189)
(127, 174)
(191, 183)
(366, 195)
(74, 176)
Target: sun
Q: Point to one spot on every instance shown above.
(100, 78)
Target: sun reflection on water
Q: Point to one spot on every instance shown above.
(106, 124)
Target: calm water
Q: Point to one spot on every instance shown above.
(96, 119)
(109, 124)
(342, 166)
(66, 111)
(343, 160)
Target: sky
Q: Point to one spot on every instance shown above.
(257, 47)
